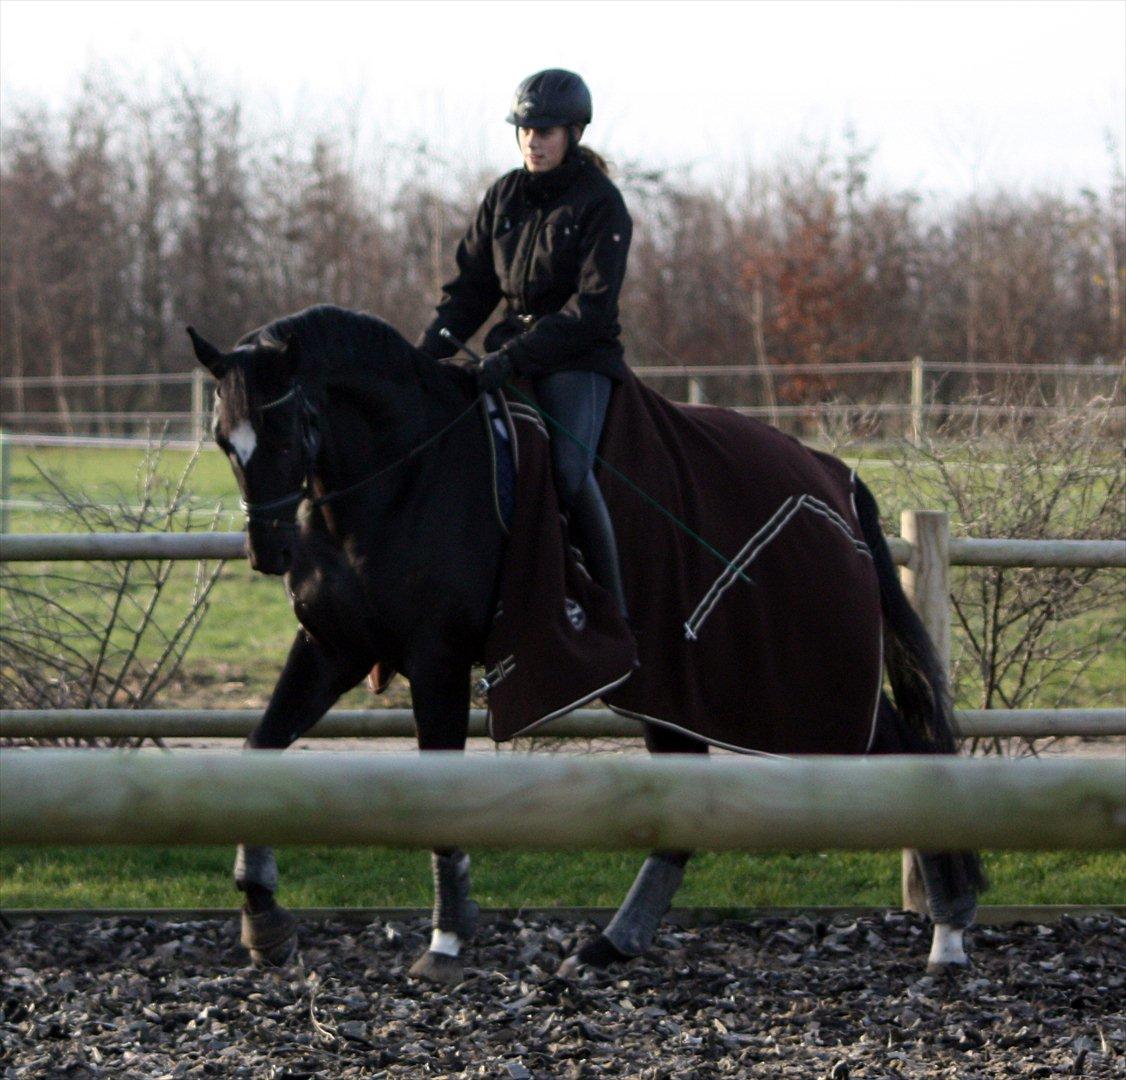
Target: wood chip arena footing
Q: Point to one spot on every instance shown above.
(839, 997)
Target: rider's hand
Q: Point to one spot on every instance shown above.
(494, 371)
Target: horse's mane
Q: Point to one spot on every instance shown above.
(335, 341)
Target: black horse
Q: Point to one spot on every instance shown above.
(365, 476)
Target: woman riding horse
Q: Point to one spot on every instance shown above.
(340, 435)
(551, 240)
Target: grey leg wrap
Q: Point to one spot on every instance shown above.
(256, 866)
(454, 912)
(952, 881)
(633, 928)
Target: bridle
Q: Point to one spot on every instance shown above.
(260, 513)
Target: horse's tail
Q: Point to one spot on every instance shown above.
(918, 681)
(923, 717)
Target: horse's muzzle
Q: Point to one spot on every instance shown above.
(270, 552)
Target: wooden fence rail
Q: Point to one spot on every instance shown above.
(64, 547)
(399, 723)
(553, 802)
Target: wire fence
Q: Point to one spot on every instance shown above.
(885, 399)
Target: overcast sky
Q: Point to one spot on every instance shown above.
(951, 93)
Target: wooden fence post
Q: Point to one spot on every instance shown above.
(198, 398)
(918, 417)
(5, 481)
(926, 580)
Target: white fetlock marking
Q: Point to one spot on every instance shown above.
(946, 946)
(445, 942)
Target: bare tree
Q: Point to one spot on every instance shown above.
(1028, 637)
(126, 214)
(104, 634)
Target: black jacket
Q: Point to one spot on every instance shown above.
(553, 247)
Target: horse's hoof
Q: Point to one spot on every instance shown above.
(951, 969)
(270, 936)
(438, 967)
(571, 968)
(599, 952)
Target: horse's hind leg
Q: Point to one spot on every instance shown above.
(633, 929)
(952, 880)
(310, 683)
(441, 709)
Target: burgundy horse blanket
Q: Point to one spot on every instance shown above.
(754, 610)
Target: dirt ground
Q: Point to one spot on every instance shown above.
(797, 997)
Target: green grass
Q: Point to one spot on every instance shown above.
(363, 877)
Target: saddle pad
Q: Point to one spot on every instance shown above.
(770, 642)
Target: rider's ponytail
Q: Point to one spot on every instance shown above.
(595, 158)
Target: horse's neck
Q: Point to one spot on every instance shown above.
(372, 424)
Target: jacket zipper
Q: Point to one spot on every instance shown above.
(528, 263)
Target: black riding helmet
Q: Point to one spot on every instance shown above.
(551, 98)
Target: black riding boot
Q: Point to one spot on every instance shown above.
(593, 533)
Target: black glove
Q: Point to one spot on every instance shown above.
(494, 371)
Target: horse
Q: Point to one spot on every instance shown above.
(364, 471)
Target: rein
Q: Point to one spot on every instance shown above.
(309, 450)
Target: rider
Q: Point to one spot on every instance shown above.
(551, 240)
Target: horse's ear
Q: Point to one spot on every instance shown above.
(209, 356)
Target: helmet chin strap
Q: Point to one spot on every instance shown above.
(574, 133)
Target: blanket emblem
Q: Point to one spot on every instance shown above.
(575, 613)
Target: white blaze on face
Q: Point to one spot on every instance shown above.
(243, 441)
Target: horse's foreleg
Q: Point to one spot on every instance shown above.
(633, 929)
(310, 683)
(441, 709)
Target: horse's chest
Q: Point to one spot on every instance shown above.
(331, 603)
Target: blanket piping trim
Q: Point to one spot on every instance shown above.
(757, 544)
(879, 691)
(506, 413)
(497, 675)
(526, 412)
(629, 714)
(577, 704)
(490, 436)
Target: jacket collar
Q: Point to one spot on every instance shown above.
(542, 187)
